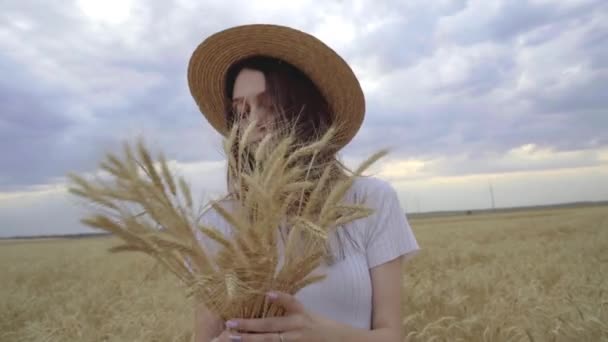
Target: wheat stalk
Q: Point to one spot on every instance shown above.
(151, 211)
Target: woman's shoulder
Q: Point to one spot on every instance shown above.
(373, 189)
(387, 233)
(373, 183)
(367, 190)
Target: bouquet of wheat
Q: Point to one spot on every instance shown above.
(152, 211)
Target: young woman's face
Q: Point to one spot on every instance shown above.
(250, 101)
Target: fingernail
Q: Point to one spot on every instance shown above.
(272, 295)
(231, 324)
(235, 338)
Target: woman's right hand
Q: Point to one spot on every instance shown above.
(223, 337)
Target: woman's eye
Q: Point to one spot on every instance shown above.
(264, 100)
(242, 109)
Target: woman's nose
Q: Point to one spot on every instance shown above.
(257, 113)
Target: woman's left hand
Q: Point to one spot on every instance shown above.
(297, 324)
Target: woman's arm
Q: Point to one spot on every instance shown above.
(301, 325)
(206, 325)
(386, 314)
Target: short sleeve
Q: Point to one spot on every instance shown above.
(390, 234)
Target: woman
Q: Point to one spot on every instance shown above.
(279, 76)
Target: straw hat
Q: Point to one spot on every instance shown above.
(326, 69)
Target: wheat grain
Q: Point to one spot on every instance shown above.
(269, 194)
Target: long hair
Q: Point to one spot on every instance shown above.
(299, 107)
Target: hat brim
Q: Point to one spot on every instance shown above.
(333, 77)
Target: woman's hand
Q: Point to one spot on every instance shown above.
(297, 325)
(223, 337)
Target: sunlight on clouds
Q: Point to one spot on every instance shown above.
(368, 71)
(23, 24)
(603, 155)
(525, 82)
(418, 191)
(454, 68)
(32, 193)
(402, 169)
(336, 31)
(529, 155)
(53, 203)
(528, 159)
(50, 210)
(207, 178)
(530, 152)
(511, 189)
(110, 12)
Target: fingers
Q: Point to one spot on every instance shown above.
(268, 329)
(272, 337)
(226, 336)
(223, 337)
(287, 301)
(266, 325)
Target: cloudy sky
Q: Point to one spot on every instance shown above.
(465, 93)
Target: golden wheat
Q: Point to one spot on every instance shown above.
(141, 204)
(523, 276)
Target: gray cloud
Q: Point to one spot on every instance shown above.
(489, 96)
(71, 95)
(506, 19)
(400, 32)
(461, 83)
(451, 78)
(33, 122)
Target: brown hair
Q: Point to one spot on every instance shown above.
(298, 105)
(296, 102)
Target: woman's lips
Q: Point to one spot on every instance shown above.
(262, 128)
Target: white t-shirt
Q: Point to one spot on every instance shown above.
(345, 295)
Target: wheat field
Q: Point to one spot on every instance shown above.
(536, 275)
